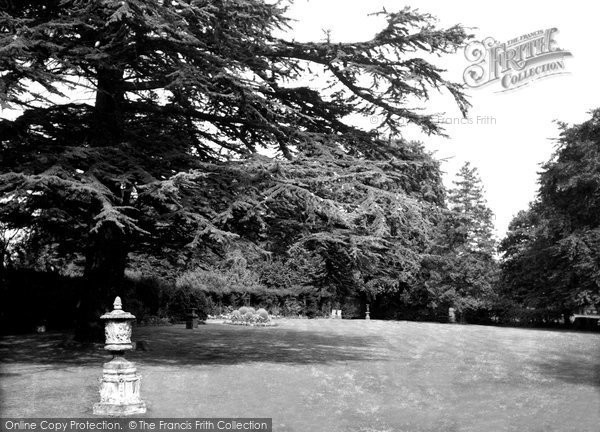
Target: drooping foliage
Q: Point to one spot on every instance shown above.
(369, 221)
(123, 98)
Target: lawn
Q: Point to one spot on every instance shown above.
(329, 375)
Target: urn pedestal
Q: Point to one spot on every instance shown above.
(120, 385)
(191, 319)
(451, 316)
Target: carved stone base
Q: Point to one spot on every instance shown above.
(119, 410)
(120, 389)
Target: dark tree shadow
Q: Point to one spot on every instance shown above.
(214, 344)
(579, 370)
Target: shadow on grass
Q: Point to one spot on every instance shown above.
(212, 344)
(574, 370)
(217, 344)
(47, 351)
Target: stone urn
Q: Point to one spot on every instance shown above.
(120, 384)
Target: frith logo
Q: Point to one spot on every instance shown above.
(515, 63)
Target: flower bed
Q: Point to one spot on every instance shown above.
(248, 316)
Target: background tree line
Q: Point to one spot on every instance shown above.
(551, 257)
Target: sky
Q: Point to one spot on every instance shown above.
(510, 133)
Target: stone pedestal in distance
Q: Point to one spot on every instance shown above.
(451, 316)
(191, 320)
(368, 314)
(120, 386)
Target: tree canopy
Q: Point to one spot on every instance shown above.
(369, 220)
(551, 252)
(122, 99)
(460, 270)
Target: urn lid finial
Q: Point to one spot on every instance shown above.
(118, 313)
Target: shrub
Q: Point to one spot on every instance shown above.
(185, 298)
(236, 316)
(262, 315)
(248, 316)
(28, 297)
(292, 307)
(243, 310)
(251, 309)
(209, 281)
(351, 308)
(233, 279)
(149, 291)
(275, 310)
(151, 320)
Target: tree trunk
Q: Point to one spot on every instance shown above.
(107, 248)
(106, 258)
(108, 110)
(104, 272)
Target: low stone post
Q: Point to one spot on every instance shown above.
(368, 313)
(191, 319)
(451, 316)
(120, 386)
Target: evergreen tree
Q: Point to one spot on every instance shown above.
(467, 202)
(526, 266)
(123, 97)
(460, 272)
(551, 253)
(368, 220)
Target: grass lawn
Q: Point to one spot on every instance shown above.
(329, 375)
